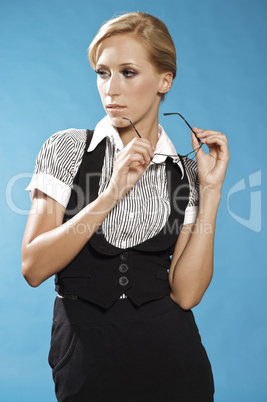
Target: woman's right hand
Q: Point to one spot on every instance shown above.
(49, 245)
(130, 164)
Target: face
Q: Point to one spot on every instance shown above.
(128, 84)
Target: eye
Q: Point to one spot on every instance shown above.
(129, 73)
(102, 73)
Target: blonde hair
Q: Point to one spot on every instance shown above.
(150, 31)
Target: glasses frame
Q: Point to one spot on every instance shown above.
(176, 155)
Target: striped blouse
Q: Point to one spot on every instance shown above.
(143, 211)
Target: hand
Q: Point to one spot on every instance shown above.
(211, 167)
(130, 164)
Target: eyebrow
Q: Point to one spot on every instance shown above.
(120, 65)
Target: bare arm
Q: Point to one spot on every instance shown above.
(49, 245)
(192, 263)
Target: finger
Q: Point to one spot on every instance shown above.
(195, 144)
(132, 159)
(216, 142)
(136, 151)
(206, 133)
(216, 139)
(144, 143)
(138, 146)
(196, 129)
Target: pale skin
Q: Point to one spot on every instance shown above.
(130, 86)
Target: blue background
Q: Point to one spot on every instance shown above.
(47, 85)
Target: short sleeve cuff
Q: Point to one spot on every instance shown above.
(51, 186)
(190, 215)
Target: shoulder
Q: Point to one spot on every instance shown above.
(190, 164)
(58, 162)
(191, 169)
(70, 136)
(61, 154)
(65, 145)
(193, 203)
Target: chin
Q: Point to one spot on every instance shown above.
(118, 121)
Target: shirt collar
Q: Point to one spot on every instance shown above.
(164, 145)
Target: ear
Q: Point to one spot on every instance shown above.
(165, 82)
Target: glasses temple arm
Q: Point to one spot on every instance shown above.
(168, 114)
(125, 118)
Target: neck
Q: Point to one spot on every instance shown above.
(147, 130)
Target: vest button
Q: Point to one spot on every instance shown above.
(123, 268)
(123, 281)
(124, 256)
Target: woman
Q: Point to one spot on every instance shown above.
(109, 209)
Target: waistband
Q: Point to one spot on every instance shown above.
(74, 297)
(83, 313)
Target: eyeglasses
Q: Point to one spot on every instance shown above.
(176, 155)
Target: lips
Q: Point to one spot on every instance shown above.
(115, 108)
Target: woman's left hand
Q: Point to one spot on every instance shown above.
(212, 166)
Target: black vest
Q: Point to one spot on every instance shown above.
(101, 272)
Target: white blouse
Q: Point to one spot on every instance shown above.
(143, 211)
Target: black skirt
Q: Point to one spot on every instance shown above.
(128, 353)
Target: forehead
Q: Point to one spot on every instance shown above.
(119, 48)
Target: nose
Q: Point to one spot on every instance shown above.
(113, 87)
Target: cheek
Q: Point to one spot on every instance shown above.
(100, 88)
(102, 93)
(145, 89)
